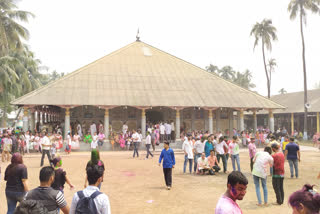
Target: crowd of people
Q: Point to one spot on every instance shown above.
(202, 152)
(48, 197)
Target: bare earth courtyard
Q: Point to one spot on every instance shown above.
(137, 185)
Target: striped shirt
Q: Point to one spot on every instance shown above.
(51, 199)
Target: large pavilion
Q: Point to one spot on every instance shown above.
(140, 83)
(292, 118)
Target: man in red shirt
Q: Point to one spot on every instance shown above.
(278, 173)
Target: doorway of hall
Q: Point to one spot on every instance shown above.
(154, 117)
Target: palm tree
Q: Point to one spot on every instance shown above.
(271, 66)
(212, 69)
(11, 31)
(244, 79)
(227, 72)
(282, 91)
(301, 7)
(265, 32)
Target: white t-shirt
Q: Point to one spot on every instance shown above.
(219, 147)
(94, 144)
(45, 142)
(148, 139)
(172, 126)
(168, 128)
(136, 137)
(187, 147)
(162, 129)
(95, 138)
(199, 147)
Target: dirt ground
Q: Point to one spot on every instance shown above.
(137, 185)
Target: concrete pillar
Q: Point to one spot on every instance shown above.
(318, 123)
(292, 123)
(106, 123)
(177, 124)
(66, 122)
(230, 117)
(271, 121)
(143, 123)
(218, 111)
(25, 126)
(255, 121)
(210, 122)
(241, 120)
(41, 118)
(33, 121)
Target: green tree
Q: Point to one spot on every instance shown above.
(244, 79)
(227, 72)
(212, 68)
(282, 91)
(265, 32)
(300, 7)
(10, 30)
(11, 35)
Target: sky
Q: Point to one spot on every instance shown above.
(66, 35)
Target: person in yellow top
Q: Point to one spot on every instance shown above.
(285, 142)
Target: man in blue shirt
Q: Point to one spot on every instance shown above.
(169, 161)
(292, 153)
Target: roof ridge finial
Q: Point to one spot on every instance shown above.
(138, 36)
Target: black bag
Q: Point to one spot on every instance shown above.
(86, 205)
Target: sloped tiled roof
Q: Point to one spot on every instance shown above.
(294, 102)
(141, 75)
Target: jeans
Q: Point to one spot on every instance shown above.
(185, 164)
(294, 163)
(235, 158)
(256, 181)
(224, 161)
(44, 152)
(100, 142)
(148, 150)
(277, 184)
(12, 199)
(196, 161)
(167, 172)
(135, 150)
(251, 164)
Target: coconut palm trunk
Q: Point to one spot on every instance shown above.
(265, 68)
(305, 125)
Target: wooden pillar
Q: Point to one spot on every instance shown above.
(177, 124)
(210, 122)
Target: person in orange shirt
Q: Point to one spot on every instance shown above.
(213, 163)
